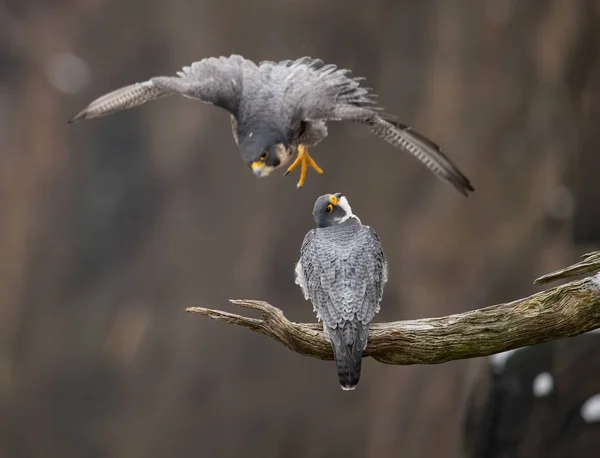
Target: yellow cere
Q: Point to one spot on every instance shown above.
(334, 200)
(257, 165)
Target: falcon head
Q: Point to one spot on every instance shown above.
(331, 209)
(264, 152)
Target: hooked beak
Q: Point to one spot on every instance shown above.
(258, 168)
(335, 198)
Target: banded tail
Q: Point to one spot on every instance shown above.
(348, 341)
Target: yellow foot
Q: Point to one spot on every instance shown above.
(304, 160)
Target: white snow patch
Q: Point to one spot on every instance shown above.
(543, 384)
(590, 410)
(67, 73)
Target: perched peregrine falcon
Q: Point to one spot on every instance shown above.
(342, 270)
(279, 109)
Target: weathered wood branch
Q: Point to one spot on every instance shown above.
(564, 311)
(589, 264)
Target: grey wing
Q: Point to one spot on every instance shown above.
(369, 274)
(121, 99)
(315, 91)
(314, 275)
(234, 130)
(404, 137)
(363, 274)
(305, 266)
(217, 81)
(373, 273)
(430, 154)
(312, 90)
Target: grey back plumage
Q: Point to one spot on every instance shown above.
(342, 271)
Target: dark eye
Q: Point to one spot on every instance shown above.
(329, 208)
(263, 156)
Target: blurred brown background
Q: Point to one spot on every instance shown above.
(110, 228)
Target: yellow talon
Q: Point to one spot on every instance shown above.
(304, 160)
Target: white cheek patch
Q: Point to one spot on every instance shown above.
(345, 205)
(284, 155)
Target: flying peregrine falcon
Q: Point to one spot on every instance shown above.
(279, 109)
(342, 270)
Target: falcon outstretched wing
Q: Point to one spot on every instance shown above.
(430, 154)
(404, 137)
(315, 91)
(218, 81)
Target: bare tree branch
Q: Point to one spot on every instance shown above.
(564, 311)
(590, 264)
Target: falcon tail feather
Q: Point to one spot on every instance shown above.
(348, 370)
(347, 352)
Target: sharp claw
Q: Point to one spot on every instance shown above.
(304, 161)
